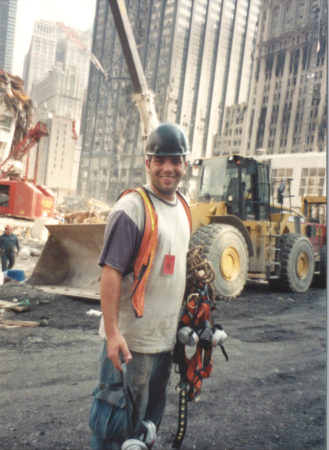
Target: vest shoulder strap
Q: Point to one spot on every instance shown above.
(186, 207)
(147, 248)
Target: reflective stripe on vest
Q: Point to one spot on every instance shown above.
(147, 248)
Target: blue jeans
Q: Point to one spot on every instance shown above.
(7, 259)
(148, 376)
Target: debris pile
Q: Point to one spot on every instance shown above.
(12, 94)
(84, 217)
(82, 210)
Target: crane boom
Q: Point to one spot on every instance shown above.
(143, 97)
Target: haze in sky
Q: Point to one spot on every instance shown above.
(77, 14)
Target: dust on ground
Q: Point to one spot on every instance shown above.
(271, 394)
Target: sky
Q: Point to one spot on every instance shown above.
(77, 14)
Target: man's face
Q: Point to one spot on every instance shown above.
(7, 230)
(165, 174)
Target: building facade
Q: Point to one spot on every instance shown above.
(8, 10)
(234, 126)
(52, 43)
(304, 174)
(58, 89)
(287, 109)
(61, 92)
(42, 53)
(197, 58)
(57, 165)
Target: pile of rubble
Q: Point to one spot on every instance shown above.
(85, 217)
(82, 210)
(12, 94)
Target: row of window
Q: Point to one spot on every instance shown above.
(312, 180)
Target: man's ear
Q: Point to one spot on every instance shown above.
(147, 164)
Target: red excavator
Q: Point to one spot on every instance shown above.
(20, 196)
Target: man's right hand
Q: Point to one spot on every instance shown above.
(110, 299)
(116, 347)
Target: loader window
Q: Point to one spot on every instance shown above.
(232, 188)
(4, 195)
(263, 192)
(212, 180)
(248, 190)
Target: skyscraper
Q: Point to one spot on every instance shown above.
(56, 74)
(287, 111)
(51, 43)
(8, 10)
(197, 57)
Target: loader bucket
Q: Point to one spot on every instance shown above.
(68, 264)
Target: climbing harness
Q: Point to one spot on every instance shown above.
(146, 252)
(196, 328)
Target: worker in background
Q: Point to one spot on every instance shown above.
(8, 245)
(141, 329)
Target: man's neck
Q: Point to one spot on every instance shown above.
(170, 198)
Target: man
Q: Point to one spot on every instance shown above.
(8, 242)
(142, 328)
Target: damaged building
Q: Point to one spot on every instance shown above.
(15, 112)
(287, 111)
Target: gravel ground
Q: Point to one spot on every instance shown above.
(271, 394)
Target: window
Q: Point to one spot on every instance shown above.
(280, 175)
(5, 122)
(4, 195)
(312, 181)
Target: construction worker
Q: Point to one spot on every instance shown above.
(142, 288)
(8, 242)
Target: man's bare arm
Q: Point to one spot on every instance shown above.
(110, 299)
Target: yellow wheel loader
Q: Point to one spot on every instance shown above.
(235, 221)
(242, 233)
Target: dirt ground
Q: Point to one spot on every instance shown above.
(271, 394)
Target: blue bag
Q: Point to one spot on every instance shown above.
(112, 413)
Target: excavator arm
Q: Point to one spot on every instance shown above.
(22, 148)
(143, 97)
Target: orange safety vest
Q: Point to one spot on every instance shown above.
(146, 252)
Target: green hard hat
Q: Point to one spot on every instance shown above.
(167, 139)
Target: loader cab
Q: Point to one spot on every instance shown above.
(242, 183)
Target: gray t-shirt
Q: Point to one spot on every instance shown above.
(156, 330)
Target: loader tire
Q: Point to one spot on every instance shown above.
(226, 249)
(296, 263)
(323, 267)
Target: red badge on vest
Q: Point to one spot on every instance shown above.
(169, 264)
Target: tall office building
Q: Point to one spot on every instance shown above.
(56, 73)
(58, 101)
(51, 43)
(287, 110)
(197, 57)
(42, 53)
(8, 9)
